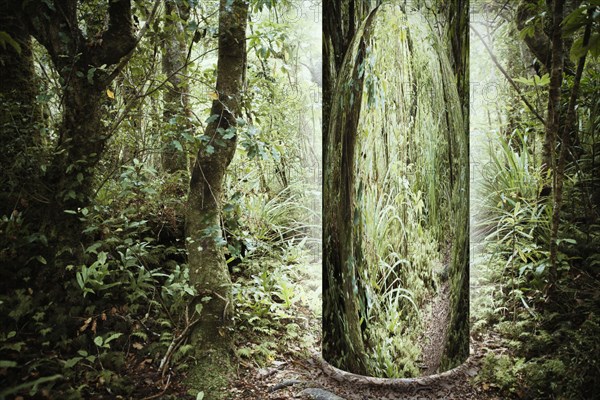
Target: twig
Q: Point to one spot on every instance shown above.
(508, 78)
(130, 103)
(284, 384)
(157, 395)
(175, 343)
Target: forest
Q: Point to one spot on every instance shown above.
(277, 199)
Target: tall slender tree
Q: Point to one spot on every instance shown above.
(176, 111)
(343, 340)
(553, 120)
(208, 269)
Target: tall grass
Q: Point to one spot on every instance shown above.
(514, 221)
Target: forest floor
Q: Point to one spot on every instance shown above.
(436, 327)
(302, 374)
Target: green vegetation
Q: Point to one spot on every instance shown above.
(401, 142)
(99, 298)
(537, 267)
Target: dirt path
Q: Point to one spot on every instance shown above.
(290, 378)
(436, 331)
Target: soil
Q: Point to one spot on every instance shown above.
(434, 338)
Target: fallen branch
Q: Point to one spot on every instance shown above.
(284, 384)
(175, 343)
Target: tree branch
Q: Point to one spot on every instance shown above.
(141, 34)
(508, 78)
(118, 39)
(56, 29)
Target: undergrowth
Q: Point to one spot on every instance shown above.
(550, 329)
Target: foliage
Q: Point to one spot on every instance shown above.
(410, 174)
(130, 292)
(102, 317)
(545, 321)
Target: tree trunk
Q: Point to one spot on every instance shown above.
(81, 63)
(208, 269)
(553, 117)
(341, 19)
(569, 132)
(20, 117)
(342, 335)
(177, 112)
(80, 147)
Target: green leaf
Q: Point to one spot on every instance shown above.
(212, 118)
(93, 248)
(80, 281)
(229, 133)
(6, 38)
(7, 364)
(245, 352)
(98, 341)
(200, 396)
(70, 363)
(102, 257)
(112, 337)
(42, 260)
(177, 145)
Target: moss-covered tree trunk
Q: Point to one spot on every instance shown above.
(20, 116)
(342, 335)
(82, 65)
(341, 20)
(176, 111)
(208, 270)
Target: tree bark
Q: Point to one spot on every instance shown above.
(343, 344)
(208, 269)
(81, 63)
(341, 19)
(538, 42)
(176, 113)
(553, 117)
(20, 118)
(569, 132)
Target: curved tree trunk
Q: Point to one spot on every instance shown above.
(341, 20)
(342, 334)
(208, 269)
